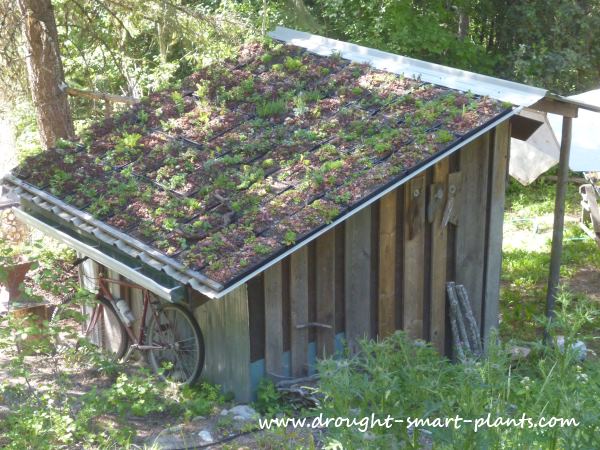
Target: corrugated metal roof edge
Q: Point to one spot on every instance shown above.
(113, 237)
(498, 88)
(503, 90)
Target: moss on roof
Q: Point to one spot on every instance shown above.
(253, 154)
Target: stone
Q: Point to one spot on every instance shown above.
(579, 348)
(206, 436)
(175, 428)
(243, 413)
(517, 352)
(4, 411)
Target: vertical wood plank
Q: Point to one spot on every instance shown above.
(114, 289)
(273, 320)
(285, 308)
(357, 278)
(439, 252)
(399, 309)
(387, 265)
(88, 276)
(414, 257)
(225, 326)
(256, 316)
(471, 227)
(497, 194)
(325, 293)
(299, 311)
(136, 303)
(340, 296)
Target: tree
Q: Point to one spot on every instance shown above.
(45, 71)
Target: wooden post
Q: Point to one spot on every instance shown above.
(439, 252)
(414, 258)
(559, 220)
(387, 265)
(496, 198)
(107, 109)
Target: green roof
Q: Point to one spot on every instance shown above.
(253, 155)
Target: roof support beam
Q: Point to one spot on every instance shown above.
(559, 221)
(556, 107)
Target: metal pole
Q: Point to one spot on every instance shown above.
(559, 220)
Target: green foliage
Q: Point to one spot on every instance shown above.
(269, 400)
(399, 378)
(271, 108)
(550, 44)
(199, 400)
(289, 238)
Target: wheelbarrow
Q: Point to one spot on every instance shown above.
(590, 212)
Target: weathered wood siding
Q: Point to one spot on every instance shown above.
(386, 267)
(225, 327)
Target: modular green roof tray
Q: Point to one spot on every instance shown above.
(252, 157)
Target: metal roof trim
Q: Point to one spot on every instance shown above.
(503, 90)
(574, 101)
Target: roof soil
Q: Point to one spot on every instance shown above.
(255, 154)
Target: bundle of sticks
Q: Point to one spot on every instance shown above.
(466, 338)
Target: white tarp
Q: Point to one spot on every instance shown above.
(529, 159)
(585, 143)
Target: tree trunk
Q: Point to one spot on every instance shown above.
(463, 25)
(46, 76)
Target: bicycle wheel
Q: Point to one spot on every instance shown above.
(180, 357)
(108, 333)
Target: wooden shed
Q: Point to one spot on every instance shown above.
(358, 191)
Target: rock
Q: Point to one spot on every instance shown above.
(579, 347)
(4, 411)
(518, 352)
(206, 436)
(243, 413)
(174, 429)
(224, 412)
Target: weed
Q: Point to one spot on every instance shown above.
(269, 400)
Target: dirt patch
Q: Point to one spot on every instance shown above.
(586, 281)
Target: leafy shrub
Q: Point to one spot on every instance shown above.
(404, 379)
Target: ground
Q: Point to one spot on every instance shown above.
(151, 409)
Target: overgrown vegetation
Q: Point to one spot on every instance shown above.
(399, 378)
